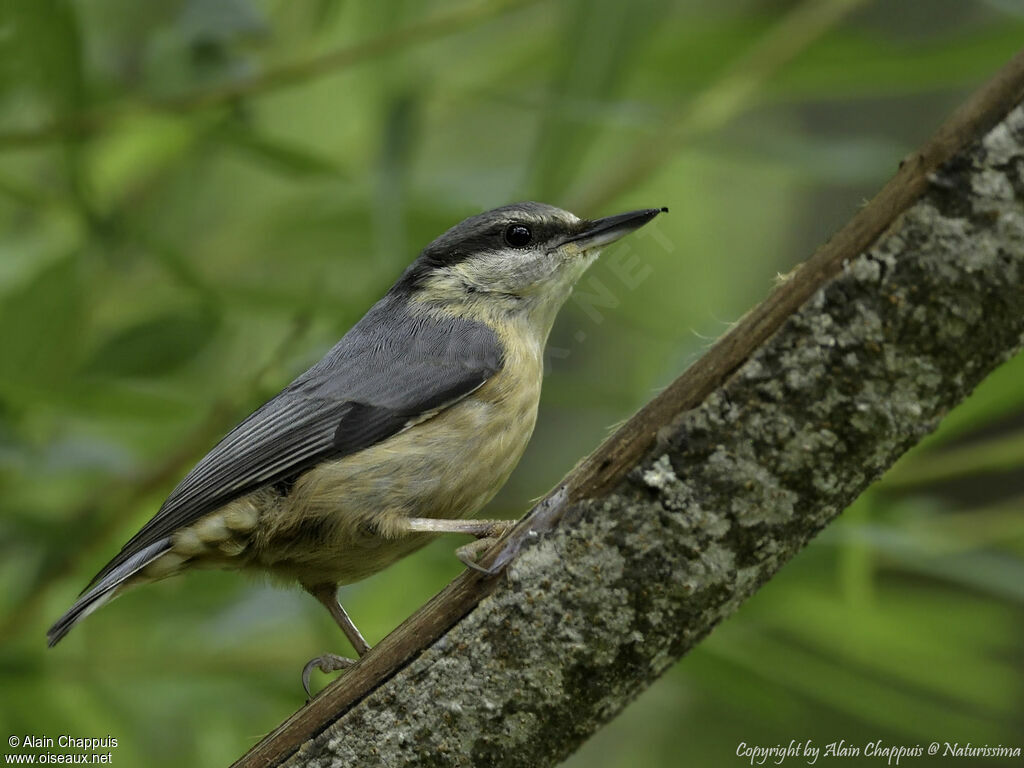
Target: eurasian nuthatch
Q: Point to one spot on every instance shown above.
(411, 422)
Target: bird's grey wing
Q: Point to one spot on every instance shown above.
(362, 392)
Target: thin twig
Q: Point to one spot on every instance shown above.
(283, 76)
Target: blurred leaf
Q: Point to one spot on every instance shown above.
(849, 688)
(999, 525)
(818, 159)
(1015, 7)
(993, 573)
(112, 401)
(221, 21)
(324, 13)
(400, 132)
(214, 31)
(849, 64)
(278, 155)
(27, 251)
(598, 41)
(40, 331)
(1000, 454)
(134, 152)
(42, 50)
(898, 644)
(155, 346)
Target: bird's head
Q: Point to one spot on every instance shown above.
(521, 258)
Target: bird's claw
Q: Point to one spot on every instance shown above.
(469, 553)
(329, 662)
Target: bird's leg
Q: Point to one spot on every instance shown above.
(327, 594)
(482, 529)
(487, 532)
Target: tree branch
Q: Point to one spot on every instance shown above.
(709, 489)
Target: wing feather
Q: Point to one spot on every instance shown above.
(390, 371)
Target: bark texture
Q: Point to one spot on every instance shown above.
(593, 611)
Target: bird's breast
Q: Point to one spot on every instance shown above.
(345, 515)
(447, 466)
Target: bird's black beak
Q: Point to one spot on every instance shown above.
(609, 229)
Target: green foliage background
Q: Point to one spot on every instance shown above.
(198, 197)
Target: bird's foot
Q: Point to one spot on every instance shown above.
(327, 663)
(468, 554)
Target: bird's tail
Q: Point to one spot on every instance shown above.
(104, 590)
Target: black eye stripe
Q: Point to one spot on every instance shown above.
(518, 235)
(463, 241)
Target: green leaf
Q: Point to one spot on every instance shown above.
(1004, 453)
(41, 329)
(134, 154)
(851, 64)
(883, 641)
(221, 20)
(854, 687)
(278, 155)
(600, 41)
(154, 346)
(43, 52)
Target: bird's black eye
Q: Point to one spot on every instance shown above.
(518, 235)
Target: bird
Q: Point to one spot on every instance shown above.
(404, 430)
